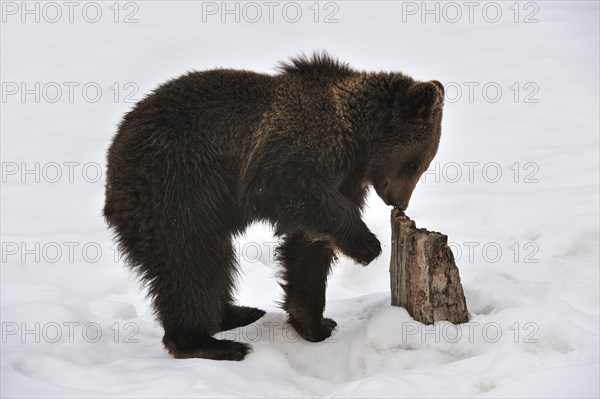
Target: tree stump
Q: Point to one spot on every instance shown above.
(424, 276)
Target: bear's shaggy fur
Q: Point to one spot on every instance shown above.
(208, 153)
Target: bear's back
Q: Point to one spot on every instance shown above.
(208, 105)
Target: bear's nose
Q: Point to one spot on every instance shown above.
(400, 206)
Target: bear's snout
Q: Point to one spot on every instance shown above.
(401, 207)
(397, 193)
(399, 203)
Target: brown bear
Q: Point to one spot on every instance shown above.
(208, 153)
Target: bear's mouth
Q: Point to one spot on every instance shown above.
(396, 193)
(389, 200)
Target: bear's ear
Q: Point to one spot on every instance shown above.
(424, 97)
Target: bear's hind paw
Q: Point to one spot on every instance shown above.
(239, 316)
(210, 348)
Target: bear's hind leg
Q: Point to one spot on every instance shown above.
(191, 292)
(306, 267)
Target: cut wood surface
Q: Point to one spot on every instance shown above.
(424, 277)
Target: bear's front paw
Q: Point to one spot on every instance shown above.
(314, 331)
(363, 249)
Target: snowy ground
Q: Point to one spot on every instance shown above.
(515, 186)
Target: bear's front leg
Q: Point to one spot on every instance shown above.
(306, 267)
(309, 205)
(357, 242)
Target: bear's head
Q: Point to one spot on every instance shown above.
(407, 142)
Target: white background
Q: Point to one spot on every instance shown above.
(514, 185)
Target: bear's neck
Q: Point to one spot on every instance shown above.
(364, 101)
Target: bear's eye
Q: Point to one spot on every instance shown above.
(408, 168)
(412, 167)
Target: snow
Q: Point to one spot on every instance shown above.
(75, 322)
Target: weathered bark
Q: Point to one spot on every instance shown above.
(424, 277)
